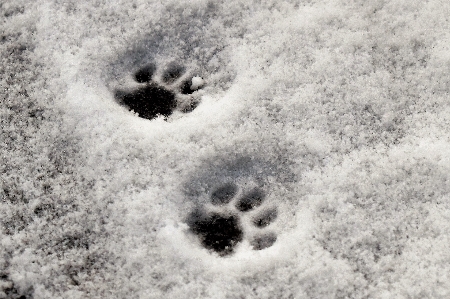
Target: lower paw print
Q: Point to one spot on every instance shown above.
(230, 216)
(156, 94)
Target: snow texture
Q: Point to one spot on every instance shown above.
(225, 149)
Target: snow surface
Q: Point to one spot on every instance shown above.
(339, 109)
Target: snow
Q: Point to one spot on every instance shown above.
(197, 82)
(338, 110)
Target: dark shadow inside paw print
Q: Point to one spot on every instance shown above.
(265, 218)
(250, 200)
(152, 98)
(224, 194)
(221, 231)
(263, 241)
(145, 74)
(217, 232)
(186, 87)
(173, 72)
(149, 101)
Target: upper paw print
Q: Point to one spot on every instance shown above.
(231, 217)
(161, 94)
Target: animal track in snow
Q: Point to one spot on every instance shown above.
(220, 227)
(152, 97)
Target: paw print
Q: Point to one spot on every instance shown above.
(160, 94)
(229, 218)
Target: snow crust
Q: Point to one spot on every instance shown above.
(338, 108)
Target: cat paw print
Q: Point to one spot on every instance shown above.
(154, 94)
(231, 216)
